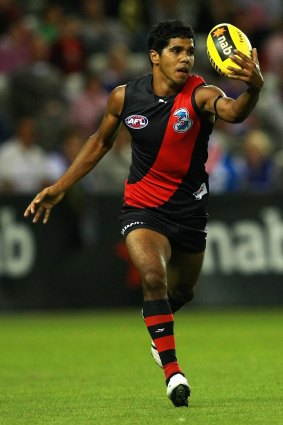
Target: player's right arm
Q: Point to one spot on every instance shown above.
(90, 154)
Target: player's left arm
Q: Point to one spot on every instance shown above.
(214, 101)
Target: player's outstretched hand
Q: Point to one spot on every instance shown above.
(249, 70)
(43, 202)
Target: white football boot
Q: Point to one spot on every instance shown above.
(178, 390)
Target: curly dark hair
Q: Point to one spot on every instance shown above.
(161, 33)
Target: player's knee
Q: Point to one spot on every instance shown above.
(154, 282)
(189, 295)
(183, 295)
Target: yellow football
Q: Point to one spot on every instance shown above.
(222, 40)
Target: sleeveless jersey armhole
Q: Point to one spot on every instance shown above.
(196, 108)
(125, 104)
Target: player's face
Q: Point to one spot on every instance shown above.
(177, 59)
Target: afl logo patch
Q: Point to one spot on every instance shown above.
(136, 121)
(184, 122)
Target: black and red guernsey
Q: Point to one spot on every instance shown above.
(169, 150)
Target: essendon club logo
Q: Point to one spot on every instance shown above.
(136, 121)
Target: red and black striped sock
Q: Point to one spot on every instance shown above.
(159, 320)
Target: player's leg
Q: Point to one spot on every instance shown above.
(150, 252)
(183, 273)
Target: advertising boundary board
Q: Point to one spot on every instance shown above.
(79, 259)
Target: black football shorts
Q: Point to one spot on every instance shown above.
(188, 235)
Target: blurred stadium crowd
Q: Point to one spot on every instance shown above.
(60, 59)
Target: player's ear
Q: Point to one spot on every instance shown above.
(154, 56)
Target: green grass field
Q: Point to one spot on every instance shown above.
(96, 368)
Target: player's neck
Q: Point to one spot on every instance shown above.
(164, 87)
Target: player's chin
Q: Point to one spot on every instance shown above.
(181, 77)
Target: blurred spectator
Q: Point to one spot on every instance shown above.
(5, 116)
(68, 52)
(5, 127)
(273, 48)
(70, 7)
(111, 173)
(14, 47)
(99, 31)
(257, 18)
(24, 166)
(117, 69)
(220, 165)
(133, 16)
(270, 105)
(9, 12)
(37, 89)
(71, 140)
(212, 12)
(257, 169)
(88, 107)
(36, 84)
(82, 218)
(50, 22)
(160, 10)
